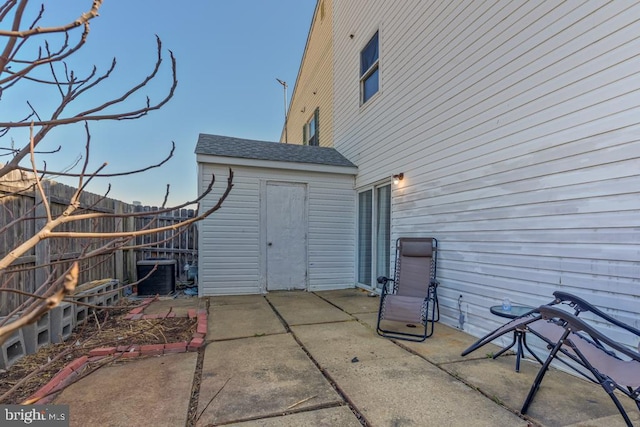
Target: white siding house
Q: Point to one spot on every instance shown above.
(516, 126)
(288, 223)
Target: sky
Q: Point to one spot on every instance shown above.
(229, 54)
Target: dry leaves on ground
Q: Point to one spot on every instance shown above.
(103, 329)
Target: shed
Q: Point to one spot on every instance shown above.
(288, 223)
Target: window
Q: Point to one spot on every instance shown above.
(369, 69)
(310, 130)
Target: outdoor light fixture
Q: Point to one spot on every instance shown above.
(397, 178)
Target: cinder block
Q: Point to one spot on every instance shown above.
(12, 350)
(112, 293)
(37, 334)
(98, 295)
(93, 296)
(80, 312)
(115, 297)
(61, 321)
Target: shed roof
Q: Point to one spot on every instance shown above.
(226, 146)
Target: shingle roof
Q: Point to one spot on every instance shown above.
(226, 146)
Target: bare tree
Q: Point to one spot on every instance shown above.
(35, 54)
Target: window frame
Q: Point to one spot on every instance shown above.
(312, 125)
(373, 244)
(374, 68)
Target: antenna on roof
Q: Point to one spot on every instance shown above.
(284, 86)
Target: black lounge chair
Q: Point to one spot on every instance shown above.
(529, 322)
(612, 365)
(411, 296)
(578, 345)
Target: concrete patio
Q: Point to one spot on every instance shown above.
(314, 359)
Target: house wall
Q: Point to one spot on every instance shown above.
(517, 126)
(232, 243)
(314, 84)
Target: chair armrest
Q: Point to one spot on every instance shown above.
(385, 289)
(576, 324)
(582, 305)
(383, 280)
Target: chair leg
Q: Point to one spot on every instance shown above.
(436, 305)
(608, 385)
(634, 395)
(524, 341)
(428, 322)
(382, 297)
(505, 348)
(543, 370)
(609, 388)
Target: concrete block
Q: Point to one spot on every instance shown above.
(116, 292)
(37, 334)
(81, 312)
(12, 350)
(61, 321)
(113, 293)
(99, 296)
(115, 297)
(93, 296)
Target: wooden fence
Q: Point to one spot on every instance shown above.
(22, 213)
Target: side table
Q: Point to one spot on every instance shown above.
(519, 334)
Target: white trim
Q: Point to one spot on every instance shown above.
(273, 164)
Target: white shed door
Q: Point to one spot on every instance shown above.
(286, 236)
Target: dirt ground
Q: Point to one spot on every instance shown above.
(103, 329)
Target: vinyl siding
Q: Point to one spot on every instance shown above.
(331, 234)
(314, 84)
(232, 246)
(517, 126)
(229, 238)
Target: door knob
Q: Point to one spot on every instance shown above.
(269, 244)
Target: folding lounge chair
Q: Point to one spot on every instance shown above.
(411, 296)
(531, 322)
(552, 333)
(591, 355)
(519, 324)
(612, 365)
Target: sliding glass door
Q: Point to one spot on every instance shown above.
(374, 234)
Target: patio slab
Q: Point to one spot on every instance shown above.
(180, 306)
(446, 344)
(248, 378)
(369, 319)
(242, 320)
(352, 301)
(562, 399)
(303, 308)
(339, 344)
(328, 417)
(150, 391)
(411, 391)
(235, 299)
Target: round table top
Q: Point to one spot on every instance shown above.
(516, 311)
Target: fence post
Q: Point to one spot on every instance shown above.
(119, 227)
(42, 249)
(132, 275)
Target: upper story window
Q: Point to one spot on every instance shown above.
(310, 130)
(369, 69)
